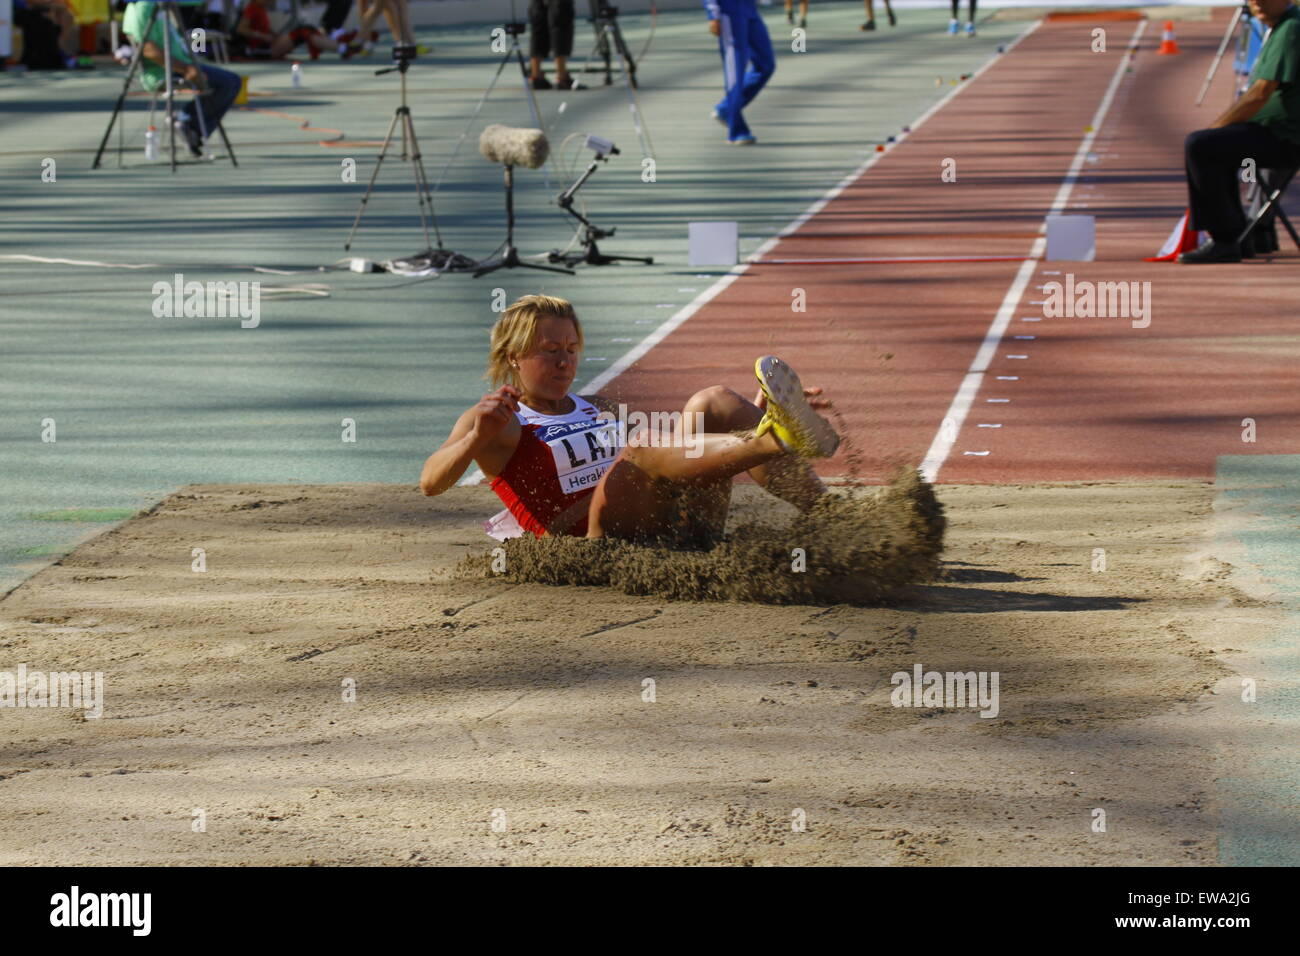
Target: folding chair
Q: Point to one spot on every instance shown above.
(132, 70)
(220, 43)
(182, 87)
(1271, 184)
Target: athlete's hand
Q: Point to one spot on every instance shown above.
(196, 77)
(715, 27)
(495, 410)
(810, 393)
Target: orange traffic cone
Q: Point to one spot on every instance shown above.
(1182, 239)
(1167, 42)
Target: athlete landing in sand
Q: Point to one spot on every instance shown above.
(557, 461)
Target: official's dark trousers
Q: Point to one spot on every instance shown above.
(223, 87)
(551, 26)
(1213, 158)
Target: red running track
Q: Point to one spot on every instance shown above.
(1091, 398)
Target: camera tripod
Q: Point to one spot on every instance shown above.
(605, 20)
(590, 254)
(441, 259)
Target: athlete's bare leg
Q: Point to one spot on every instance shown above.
(788, 476)
(683, 489)
(395, 12)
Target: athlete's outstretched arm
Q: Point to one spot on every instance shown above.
(480, 428)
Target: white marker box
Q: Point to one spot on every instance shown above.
(1071, 238)
(714, 243)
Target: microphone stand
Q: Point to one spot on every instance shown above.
(509, 258)
(514, 30)
(590, 254)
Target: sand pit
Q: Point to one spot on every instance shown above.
(525, 703)
(854, 547)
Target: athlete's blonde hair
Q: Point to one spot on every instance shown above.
(515, 333)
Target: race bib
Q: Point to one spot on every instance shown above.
(583, 451)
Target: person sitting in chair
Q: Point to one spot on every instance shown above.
(49, 30)
(262, 42)
(1263, 126)
(219, 87)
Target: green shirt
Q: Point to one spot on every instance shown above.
(1279, 60)
(133, 24)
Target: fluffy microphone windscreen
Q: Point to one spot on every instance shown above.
(511, 146)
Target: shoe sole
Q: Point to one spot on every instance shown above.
(788, 405)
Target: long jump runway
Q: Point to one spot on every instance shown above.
(1049, 127)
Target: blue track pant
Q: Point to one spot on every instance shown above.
(747, 64)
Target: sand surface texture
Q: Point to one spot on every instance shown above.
(499, 722)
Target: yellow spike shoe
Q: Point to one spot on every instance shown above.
(788, 415)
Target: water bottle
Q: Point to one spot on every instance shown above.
(151, 144)
(297, 76)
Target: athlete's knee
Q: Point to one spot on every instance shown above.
(723, 410)
(711, 399)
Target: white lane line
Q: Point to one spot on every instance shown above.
(638, 352)
(725, 280)
(946, 436)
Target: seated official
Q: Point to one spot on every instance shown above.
(220, 87)
(1263, 126)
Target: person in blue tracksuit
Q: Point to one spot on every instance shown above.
(747, 62)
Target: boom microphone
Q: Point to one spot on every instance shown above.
(511, 146)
